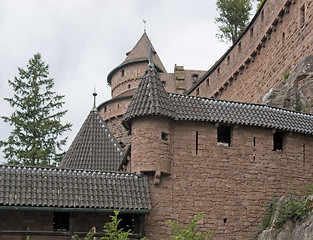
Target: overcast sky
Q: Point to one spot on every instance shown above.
(83, 40)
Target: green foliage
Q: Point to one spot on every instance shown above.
(300, 107)
(286, 74)
(35, 138)
(260, 2)
(270, 209)
(89, 236)
(292, 210)
(233, 18)
(111, 229)
(191, 232)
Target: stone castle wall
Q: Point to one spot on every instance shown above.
(230, 184)
(278, 38)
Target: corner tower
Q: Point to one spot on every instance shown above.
(148, 118)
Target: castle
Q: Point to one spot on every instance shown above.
(170, 145)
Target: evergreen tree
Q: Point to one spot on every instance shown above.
(36, 136)
(233, 18)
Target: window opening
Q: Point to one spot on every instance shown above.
(239, 47)
(164, 136)
(197, 92)
(278, 141)
(251, 32)
(61, 221)
(128, 86)
(302, 15)
(197, 142)
(208, 82)
(195, 77)
(122, 73)
(218, 71)
(283, 37)
(225, 220)
(223, 135)
(163, 83)
(303, 152)
(253, 148)
(105, 108)
(228, 60)
(129, 222)
(262, 15)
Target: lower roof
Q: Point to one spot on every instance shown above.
(54, 188)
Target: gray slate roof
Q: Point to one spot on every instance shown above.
(94, 147)
(151, 99)
(48, 187)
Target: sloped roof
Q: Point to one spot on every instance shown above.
(140, 53)
(209, 110)
(52, 187)
(94, 147)
(150, 98)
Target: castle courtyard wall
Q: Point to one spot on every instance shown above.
(277, 40)
(230, 184)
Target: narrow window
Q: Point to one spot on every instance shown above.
(302, 15)
(128, 86)
(197, 142)
(283, 37)
(251, 32)
(228, 60)
(195, 77)
(105, 108)
(262, 15)
(197, 92)
(122, 73)
(223, 135)
(303, 152)
(278, 141)
(61, 221)
(164, 136)
(208, 82)
(239, 47)
(118, 106)
(218, 71)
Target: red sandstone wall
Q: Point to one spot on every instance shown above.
(274, 42)
(225, 182)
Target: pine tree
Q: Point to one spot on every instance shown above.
(36, 138)
(233, 18)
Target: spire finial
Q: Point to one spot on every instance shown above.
(94, 109)
(144, 23)
(150, 57)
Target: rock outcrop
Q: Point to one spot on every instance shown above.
(295, 92)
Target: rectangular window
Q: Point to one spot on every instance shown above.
(61, 221)
(278, 141)
(239, 47)
(122, 73)
(164, 136)
(197, 142)
(251, 32)
(223, 135)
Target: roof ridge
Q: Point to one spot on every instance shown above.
(243, 103)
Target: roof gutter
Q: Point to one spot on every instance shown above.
(86, 210)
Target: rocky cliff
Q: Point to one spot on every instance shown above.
(296, 91)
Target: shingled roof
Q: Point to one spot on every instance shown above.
(151, 99)
(94, 147)
(64, 188)
(140, 53)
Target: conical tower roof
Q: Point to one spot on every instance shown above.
(140, 53)
(150, 99)
(94, 147)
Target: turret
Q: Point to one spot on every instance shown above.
(149, 119)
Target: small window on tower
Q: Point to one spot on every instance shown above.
(223, 135)
(122, 73)
(164, 136)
